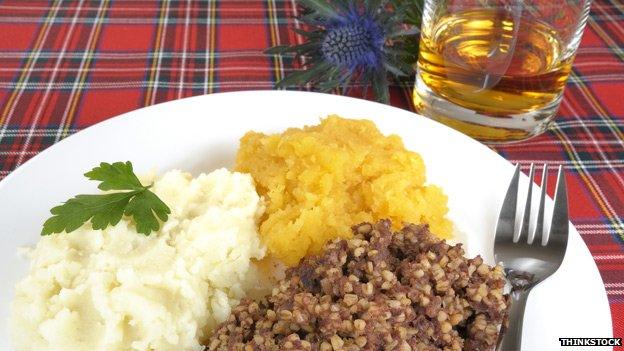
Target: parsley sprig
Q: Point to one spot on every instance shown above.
(133, 200)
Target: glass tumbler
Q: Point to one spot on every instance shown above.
(496, 69)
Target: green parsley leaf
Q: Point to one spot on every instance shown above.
(137, 201)
(142, 208)
(116, 176)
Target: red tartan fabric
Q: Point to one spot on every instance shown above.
(67, 64)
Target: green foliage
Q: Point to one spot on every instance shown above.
(399, 22)
(133, 200)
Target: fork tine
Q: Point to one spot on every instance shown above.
(526, 216)
(507, 217)
(538, 233)
(559, 223)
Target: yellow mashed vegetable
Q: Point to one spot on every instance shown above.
(319, 181)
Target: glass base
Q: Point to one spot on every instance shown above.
(486, 128)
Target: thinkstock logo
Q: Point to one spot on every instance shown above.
(590, 341)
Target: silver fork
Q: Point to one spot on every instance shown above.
(529, 259)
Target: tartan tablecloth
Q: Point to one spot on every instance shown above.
(65, 65)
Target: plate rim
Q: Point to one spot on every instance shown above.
(128, 114)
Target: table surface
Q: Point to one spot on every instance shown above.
(65, 65)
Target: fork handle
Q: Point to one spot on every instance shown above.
(511, 340)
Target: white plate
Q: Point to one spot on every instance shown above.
(201, 133)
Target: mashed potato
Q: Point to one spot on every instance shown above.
(114, 289)
(321, 180)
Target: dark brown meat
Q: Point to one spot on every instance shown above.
(378, 291)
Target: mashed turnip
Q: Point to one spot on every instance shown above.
(114, 289)
(320, 180)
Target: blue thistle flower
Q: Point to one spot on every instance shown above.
(358, 41)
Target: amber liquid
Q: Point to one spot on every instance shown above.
(492, 62)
